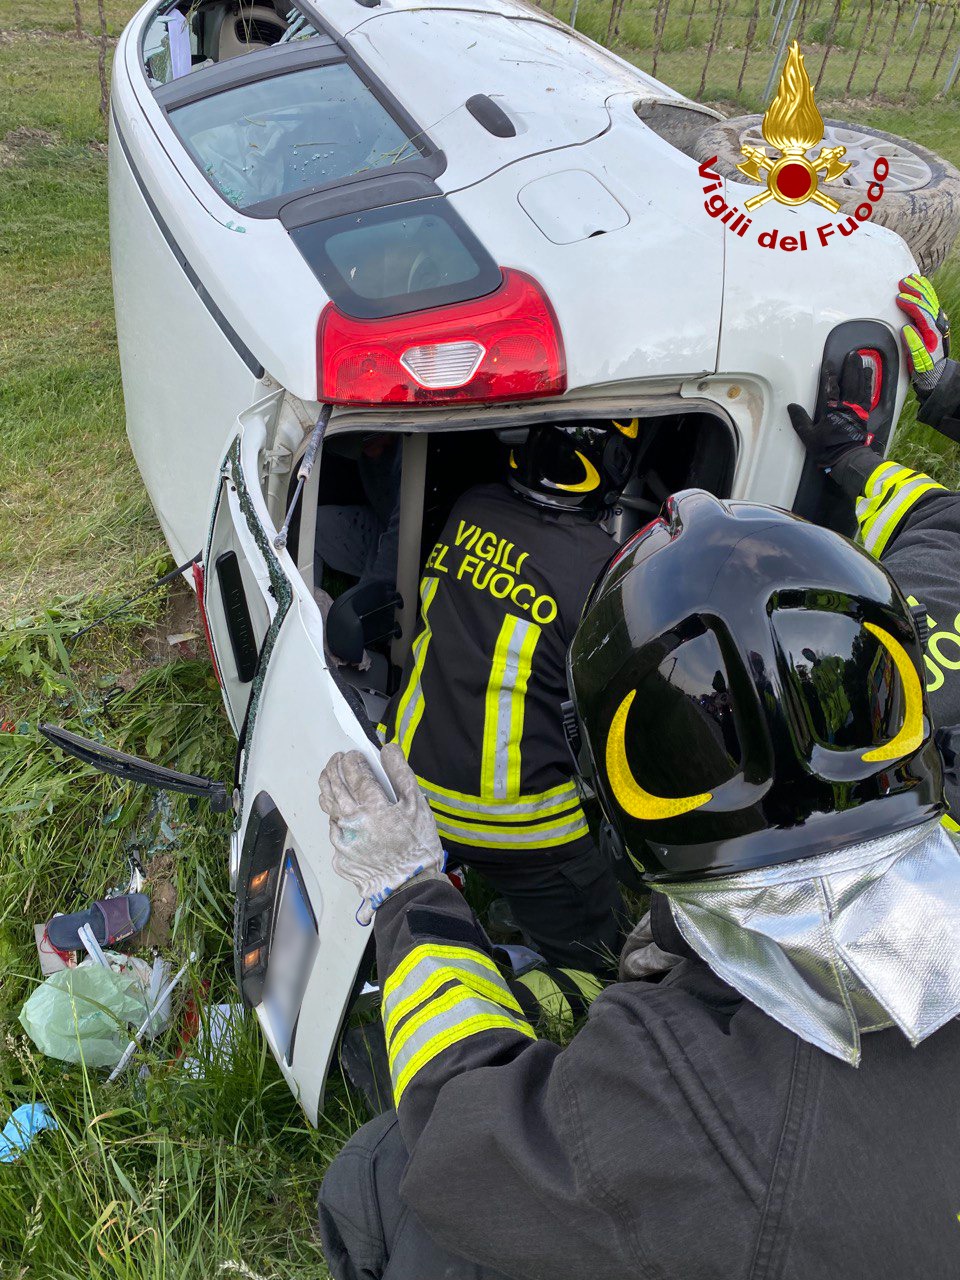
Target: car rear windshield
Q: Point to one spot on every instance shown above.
(406, 257)
(290, 133)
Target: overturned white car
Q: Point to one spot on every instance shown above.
(444, 222)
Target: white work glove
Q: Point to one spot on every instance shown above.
(379, 844)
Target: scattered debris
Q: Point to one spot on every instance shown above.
(215, 1040)
(22, 1127)
(52, 960)
(80, 1014)
(151, 1023)
(109, 920)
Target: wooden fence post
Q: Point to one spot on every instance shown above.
(856, 60)
(888, 49)
(659, 23)
(714, 37)
(828, 42)
(686, 34)
(102, 62)
(77, 20)
(946, 41)
(751, 32)
(920, 52)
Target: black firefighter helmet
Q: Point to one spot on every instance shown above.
(580, 466)
(747, 689)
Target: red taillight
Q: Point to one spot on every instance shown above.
(198, 579)
(506, 346)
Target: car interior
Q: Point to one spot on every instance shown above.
(186, 36)
(371, 612)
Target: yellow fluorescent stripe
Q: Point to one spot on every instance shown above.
(526, 818)
(475, 838)
(590, 481)
(403, 727)
(491, 711)
(888, 495)
(549, 996)
(878, 532)
(533, 799)
(628, 793)
(511, 832)
(498, 992)
(587, 984)
(462, 1031)
(429, 950)
(517, 709)
(442, 1004)
(911, 731)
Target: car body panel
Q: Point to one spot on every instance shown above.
(165, 392)
(296, 719)
(553, 90)
(642, 301)
(777, 315)
(659, 305)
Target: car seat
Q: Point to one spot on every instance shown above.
(246, 28)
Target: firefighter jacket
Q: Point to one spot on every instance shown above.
(682, 1135)
(912, 525)
(478, 712)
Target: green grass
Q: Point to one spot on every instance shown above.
(169, 1177)
(166, 1177)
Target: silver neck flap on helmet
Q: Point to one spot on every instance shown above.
(840, 944)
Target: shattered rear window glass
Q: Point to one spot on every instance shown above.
(290, 133)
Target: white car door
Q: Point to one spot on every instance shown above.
(298, 947)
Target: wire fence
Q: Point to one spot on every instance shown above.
(732, 50)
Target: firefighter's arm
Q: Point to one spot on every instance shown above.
(522, 1155)
(446, 1007)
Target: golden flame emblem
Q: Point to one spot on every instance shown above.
(793, 126)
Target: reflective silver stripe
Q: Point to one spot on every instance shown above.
(875, 483)
(444, 1022)
(484, 835)
(431, 971)
(879, 528)
(550, 802)
(510, 704)
(410, 710)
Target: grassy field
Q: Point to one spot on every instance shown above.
(168, 1175)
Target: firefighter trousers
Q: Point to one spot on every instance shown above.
(367, 1232)
(567, 903)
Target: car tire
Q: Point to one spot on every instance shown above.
(921, 196)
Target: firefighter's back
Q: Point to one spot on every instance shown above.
(478, 711)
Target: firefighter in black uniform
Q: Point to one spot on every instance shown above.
(783, 1102)
(905, 518)
(478, 712)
